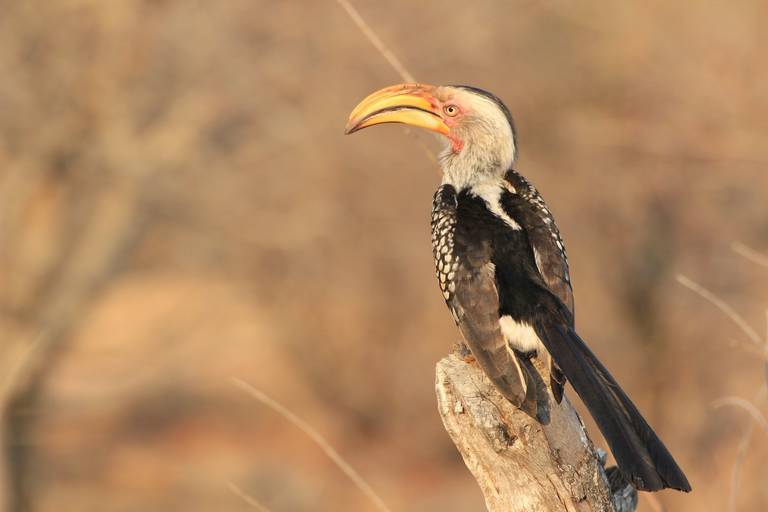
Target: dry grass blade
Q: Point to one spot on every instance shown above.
(722, 306)
(765, 352)
(758, 417)
(750, 254)
(747, 346)
(375, 41)
(388, 55)
(741, 454)
(318, 439)
(748, 406)
(250, 500)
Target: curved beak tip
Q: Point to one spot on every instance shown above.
(405, 103)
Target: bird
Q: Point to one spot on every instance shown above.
(502, 268)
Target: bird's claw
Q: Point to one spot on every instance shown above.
(461, 350)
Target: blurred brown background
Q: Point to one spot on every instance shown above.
(178, 206)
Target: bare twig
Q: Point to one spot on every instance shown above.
(250, 500)
(750, 254)
(313, 434)
(722, 306)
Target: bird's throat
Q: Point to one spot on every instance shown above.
(456, 144)
(466, 164)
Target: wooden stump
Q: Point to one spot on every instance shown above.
(544, 464)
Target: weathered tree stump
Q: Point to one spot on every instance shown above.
(525, 464)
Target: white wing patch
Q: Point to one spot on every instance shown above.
(520, 336)
(491, 194)
(537, 257)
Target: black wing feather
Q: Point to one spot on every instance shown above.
(469, 286)
(548, 298)
(641, 456)
(527, 207)
(524, 204)
(476, 307)
(517, 267)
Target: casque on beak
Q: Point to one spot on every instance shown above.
(411, 104)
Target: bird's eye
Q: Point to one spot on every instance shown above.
(451, 110)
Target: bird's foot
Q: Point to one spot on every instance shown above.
(461, 350)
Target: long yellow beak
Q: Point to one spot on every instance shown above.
(411, 104)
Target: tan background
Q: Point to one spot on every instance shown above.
(178, 206)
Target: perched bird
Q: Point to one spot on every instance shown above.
(503, 271)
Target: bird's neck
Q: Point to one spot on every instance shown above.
(481, 160)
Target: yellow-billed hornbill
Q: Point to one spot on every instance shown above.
(503, 271)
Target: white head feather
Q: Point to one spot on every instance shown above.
(487, 140)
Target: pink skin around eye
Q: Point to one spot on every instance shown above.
(452, 121)
(456, 143)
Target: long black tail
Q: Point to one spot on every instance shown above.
(641, 456)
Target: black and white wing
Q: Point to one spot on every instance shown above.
(642, 458)
(466, 273)
(527, 207)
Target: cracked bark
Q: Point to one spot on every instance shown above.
(524, 464)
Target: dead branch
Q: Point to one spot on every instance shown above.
(521, 463)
